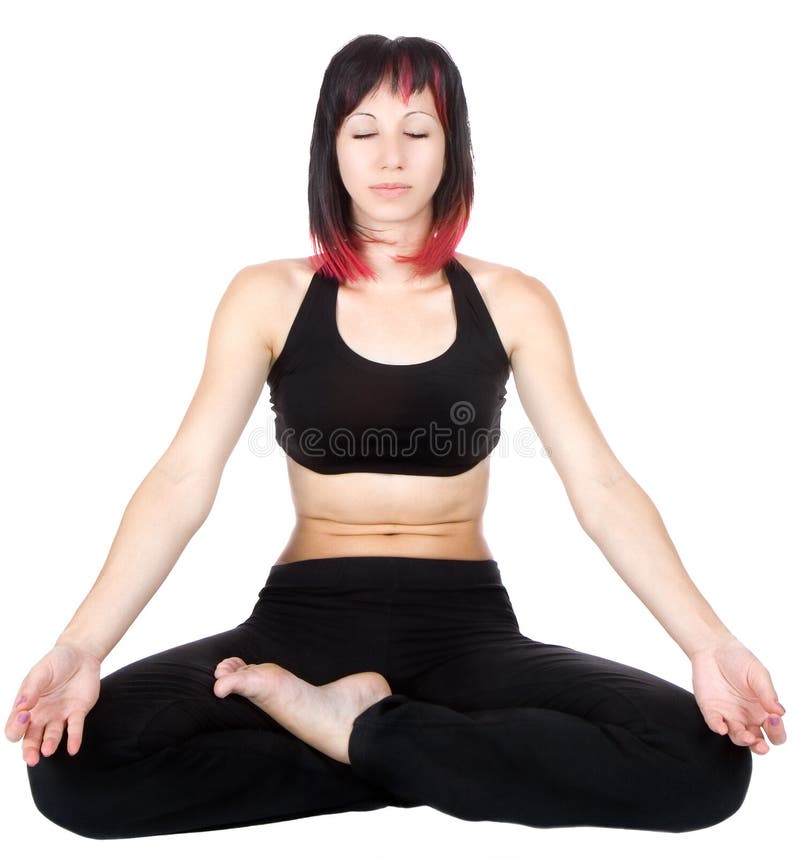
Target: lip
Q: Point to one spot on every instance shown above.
(390, 190)
(389, 185)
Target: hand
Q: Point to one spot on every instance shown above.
(63, 686)
(735, 694)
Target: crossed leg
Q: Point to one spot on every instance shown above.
(161, 753)
(513, 730)
(543, 735)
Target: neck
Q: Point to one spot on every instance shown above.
(395, 239)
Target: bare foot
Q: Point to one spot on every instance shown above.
(322, 716)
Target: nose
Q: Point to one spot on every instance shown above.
(391, 152)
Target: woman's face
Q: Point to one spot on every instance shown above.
(387, 141)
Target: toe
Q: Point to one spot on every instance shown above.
(228, 684)
(236, 676)
(228, 665)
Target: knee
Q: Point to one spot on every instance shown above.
(728, 768)
(65, 789)
(714, 781)
(79, 793)
(707, 776)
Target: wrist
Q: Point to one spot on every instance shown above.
(86, 647)
(721, 638)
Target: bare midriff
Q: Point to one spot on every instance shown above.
(387, 514)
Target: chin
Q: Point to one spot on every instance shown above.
(390, 210)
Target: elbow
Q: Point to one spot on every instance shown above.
(199, 495)
(193, 495)
(596, 498)
(585, 509)
(585, 519)
(617, 499)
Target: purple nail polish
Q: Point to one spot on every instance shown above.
(774, 721)
(23, 718)
(20, 700)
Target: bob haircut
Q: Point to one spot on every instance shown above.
(408, 64)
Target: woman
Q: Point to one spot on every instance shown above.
(383, 663)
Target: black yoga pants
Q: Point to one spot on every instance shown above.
(483, 722)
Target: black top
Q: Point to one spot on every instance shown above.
(338, 412)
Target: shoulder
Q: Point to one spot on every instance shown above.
(275, 279)
(518, 302)
(271, 292)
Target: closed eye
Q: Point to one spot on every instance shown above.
(364, 136)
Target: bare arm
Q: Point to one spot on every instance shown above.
(627, 527)
(609, 504)
(176, 496)
(158, 523)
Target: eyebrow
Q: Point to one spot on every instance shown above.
(410, 113)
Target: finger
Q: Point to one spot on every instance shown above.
(52, 735)
(773, 726)
(31, 744)
(715, 722)
(74, 732)
(740, 735)
(758, 746)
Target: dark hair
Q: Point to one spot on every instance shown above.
(409, 63)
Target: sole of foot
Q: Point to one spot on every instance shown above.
(320, 715)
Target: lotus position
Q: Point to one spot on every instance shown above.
(382, 662)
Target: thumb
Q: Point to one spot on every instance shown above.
(28, 695)
(35, 684)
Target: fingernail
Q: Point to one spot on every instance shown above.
(23, 718)
(782, 706)
(20, 700)
(774, 721)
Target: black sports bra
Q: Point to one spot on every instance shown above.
(339, 412)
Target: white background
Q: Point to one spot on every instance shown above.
(640, 158)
